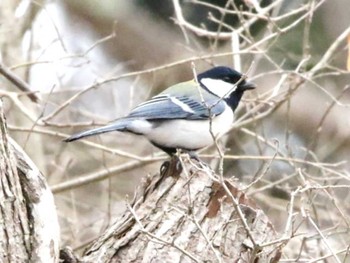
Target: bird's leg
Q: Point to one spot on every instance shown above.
(164, 168)
(194, 155)
(172, 167)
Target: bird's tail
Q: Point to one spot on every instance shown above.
(120, 125)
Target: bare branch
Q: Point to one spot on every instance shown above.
(18, 82)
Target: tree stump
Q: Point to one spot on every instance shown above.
(188, 214)
(29, 230)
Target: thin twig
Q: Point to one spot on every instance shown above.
(99, 176)
(18, 82)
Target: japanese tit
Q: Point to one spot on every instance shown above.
(185, 116)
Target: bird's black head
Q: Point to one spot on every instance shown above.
(222, 81)
(222, 73)
(225, 83)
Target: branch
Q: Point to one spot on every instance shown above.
(18, 82)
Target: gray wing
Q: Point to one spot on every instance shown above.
(180, 107)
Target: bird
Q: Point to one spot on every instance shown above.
(187, 116)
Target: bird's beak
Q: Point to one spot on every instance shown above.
(247, 85)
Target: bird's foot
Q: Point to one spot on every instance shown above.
(172, 167)
(194, 156)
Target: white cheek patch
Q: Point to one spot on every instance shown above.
(218, 87)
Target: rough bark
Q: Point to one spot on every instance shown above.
(187, 215)
(29, 230)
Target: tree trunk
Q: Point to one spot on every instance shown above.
(29, 230)
(187, 215)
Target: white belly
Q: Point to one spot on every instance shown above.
(187, 134)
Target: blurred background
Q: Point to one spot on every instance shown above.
(90, 62)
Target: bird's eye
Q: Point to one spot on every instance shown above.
(227, 79)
